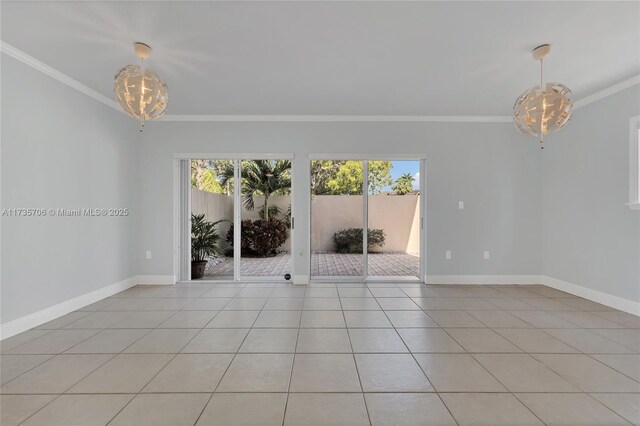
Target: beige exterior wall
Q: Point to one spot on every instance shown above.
(220, 206)
(398, 215)
(214, 207)
(331, 213)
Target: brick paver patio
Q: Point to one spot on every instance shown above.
(322, 265)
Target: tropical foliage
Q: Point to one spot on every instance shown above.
(345, 177)
(379, 176)
(205, 240)
(273, 177)
(259, 177)
(205, 178)
(322, 171)
(404, 184)
(261, 238)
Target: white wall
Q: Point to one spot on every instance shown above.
(489, 166)
(591, 238)
(62, 149)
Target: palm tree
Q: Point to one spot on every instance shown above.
(404, 184)
(259, 177)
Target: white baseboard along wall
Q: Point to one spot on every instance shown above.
(43, 316)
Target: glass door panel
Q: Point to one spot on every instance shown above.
(337, 209)
(394, 219)
(265, 214)
(212, 211)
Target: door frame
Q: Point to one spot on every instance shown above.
(422, 158)
(182, 204)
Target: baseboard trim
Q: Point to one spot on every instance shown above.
(155, 279)
(597, 296)
(484, 279)
(35, 319)
(300, 279)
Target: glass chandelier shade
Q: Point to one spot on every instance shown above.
(545, 108)
(140, 92)
(541, 112)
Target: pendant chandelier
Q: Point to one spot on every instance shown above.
(542, 109)
(139, 90)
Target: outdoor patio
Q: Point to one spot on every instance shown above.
(322, 264)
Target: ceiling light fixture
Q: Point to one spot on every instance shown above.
(139, 90)
(543, 109)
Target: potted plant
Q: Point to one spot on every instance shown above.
(204, 243)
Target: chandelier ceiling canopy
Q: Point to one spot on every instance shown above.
(139, 90)
(543, 109)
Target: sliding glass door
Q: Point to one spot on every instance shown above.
(238, 219)
(383, 194)
(366, 218)
(265, 237)
(337, 207)
(212, 210)
(394, 217)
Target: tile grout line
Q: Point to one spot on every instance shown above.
(416, 361)
(579, 352)
(159, 370)
(72, 385)
(52, 356)
(165, 365)
(535, 359)
(353, 355)
(490, 373)
(493, 329)
(582, 393)
(293, 363)
(479, 363)
(235, 354)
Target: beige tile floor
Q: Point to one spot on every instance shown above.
(350, 354)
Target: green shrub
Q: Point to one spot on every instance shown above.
(261, 238)
(205, 240)
(276, 212)
(350, 240)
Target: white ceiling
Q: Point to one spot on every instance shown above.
(333, 57)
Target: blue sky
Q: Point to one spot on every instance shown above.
(401, 167)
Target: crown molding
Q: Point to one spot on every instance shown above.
(56, 75)
(611, 90)
(34, 63)
(344, 118)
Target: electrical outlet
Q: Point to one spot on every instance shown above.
(487, 254)
(447, 254)
(461, 205)
(148, 254)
